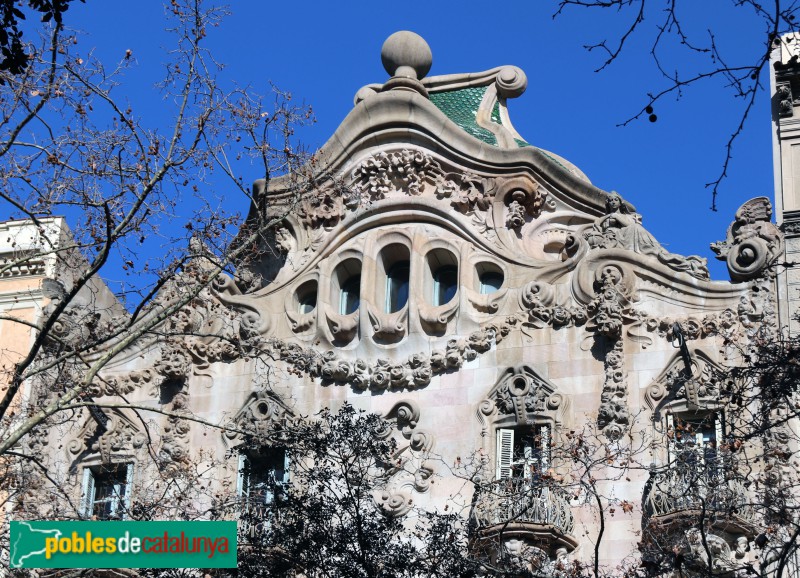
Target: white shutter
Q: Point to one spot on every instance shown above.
(87, 493)
(286, 465)
(126, 499)
(505, 453)
(545, 436)
(719, 428)
(240, 475)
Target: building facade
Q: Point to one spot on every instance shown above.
(521, 328)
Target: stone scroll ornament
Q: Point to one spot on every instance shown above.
(621, 228)
(613, 417)
(411, 471)
(753, 243)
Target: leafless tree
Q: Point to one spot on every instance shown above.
(686, 58)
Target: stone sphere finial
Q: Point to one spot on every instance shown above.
(406, 54)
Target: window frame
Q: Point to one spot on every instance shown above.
(244, 486)
(120, 501)
(508, 459)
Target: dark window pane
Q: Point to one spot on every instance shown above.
(397, 287)
(445, 284)
(350, 298)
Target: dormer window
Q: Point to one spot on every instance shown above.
(397, 286)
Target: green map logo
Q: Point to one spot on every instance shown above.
(121, 544)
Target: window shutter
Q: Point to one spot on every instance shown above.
(286, 465)
(505, 453)
(719, 428)
(87, 493)
(545, 447)
(240, 485)
(126, 499)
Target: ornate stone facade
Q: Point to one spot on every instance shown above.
(482, 295)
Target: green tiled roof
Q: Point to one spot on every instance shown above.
(461, 106)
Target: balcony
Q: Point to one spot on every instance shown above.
(526, 509)
(699, 490)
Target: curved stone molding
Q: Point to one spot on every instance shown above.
(753, 243)
(435, 319)
(388, 327)
(488, 303)
(343, 328)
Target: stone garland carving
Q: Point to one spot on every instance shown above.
(111, 385)
(613, 416)
(692, 327)
(607, 309)
(405, 170)
(753, 243)
(325, 208)
(620, 228)
(411, 171)
(175, 447)
(540, 310)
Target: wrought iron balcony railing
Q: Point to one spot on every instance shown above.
(519, 500)
(702, 489)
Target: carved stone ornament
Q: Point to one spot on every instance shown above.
(520, 397)
(676, 388)
(406, 170)
(261, 416)
(411, 470)
(724, 323)
(753, 242)
(613, 417)
(107, 432)
(783, 91)
(527, 200)
(621, 228)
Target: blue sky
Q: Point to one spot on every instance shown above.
(324, 51)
